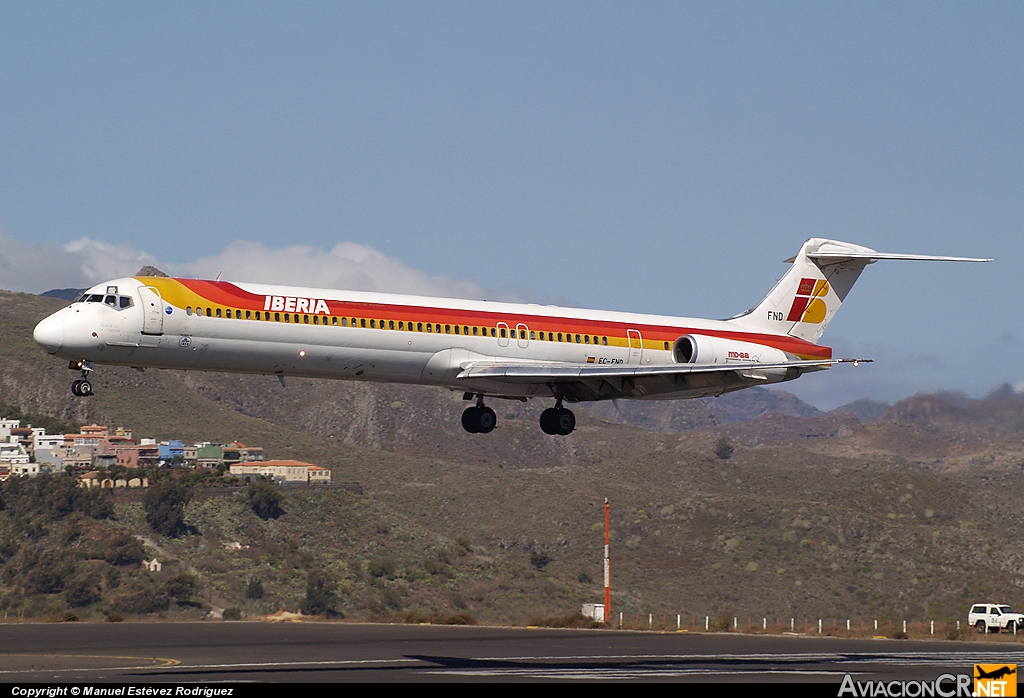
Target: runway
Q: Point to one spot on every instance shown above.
(344, 652)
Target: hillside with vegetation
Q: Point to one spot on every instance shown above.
(911, 514)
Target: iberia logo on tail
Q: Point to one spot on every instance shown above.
(809, 304)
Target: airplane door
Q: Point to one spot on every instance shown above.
(503, 331)
(636, 347)
(523, 335)
(152, 310)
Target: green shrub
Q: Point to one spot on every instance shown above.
(724, 448)
(265, 500)
(539, 559)
(232, 613)
(382, 567)
(572, 620)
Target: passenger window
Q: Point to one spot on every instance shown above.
(447, 329)
(559, 336)
(277, 317)
(465, 330)
(344, 322)
(362, 322)
(429, 327)
(456, 329)
(419, 326)
(666, 346)
(532, 334)
(334, 321)
(502, 331)
(305, 319)
(604, 341)
(316, 319)
(595, 339)
(437, 328)
(586, 339)
(287, 317)
(218, 312)
(476, 331)
(401, 325)
(296, 317)
(248, 315)
(577, 339)
(188, 311)
(493, 332)
(391, 324)
(522, 334)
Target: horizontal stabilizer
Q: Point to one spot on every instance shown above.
(831, 257)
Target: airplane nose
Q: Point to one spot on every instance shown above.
(49, 334)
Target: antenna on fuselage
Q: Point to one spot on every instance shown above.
(218, 275)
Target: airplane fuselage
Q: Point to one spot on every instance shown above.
(324, 333)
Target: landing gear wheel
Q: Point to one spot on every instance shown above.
(565, 421)
(85, 388)
(479, 420)
(547, 421)
(486, 420)
(76, 388)
(471, 420)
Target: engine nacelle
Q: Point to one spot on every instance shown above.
(702, 349)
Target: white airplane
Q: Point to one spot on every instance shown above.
(483, 349)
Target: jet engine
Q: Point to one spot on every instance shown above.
(702, 349)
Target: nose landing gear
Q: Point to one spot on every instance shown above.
(81, 387)
(479, 419)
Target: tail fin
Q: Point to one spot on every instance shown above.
(804, 301)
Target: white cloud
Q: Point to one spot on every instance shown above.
(34, 268)
(348, 266)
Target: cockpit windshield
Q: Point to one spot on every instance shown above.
(116, 302)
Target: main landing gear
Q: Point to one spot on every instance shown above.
(479, 419)
(557, 420)
(81, 387)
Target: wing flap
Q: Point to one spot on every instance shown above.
(559, 373)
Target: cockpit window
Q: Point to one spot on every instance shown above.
(126, 301)
(111, 301)
(94, 298)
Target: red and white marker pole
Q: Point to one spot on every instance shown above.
(607, 569)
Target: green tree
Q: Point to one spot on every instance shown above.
(125, 550)
(319, 594)
(165, 508)
(254, 590)
(265, 500)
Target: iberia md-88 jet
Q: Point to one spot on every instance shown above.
(482, 349)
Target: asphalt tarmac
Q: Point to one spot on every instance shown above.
(345, 652)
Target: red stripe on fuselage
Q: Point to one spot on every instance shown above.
(226, 293)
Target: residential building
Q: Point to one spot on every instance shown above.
(282, 472)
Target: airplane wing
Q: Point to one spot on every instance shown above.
(589, 382)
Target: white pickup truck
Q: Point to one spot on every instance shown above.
(993, 618)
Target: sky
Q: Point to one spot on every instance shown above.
(649, 157)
